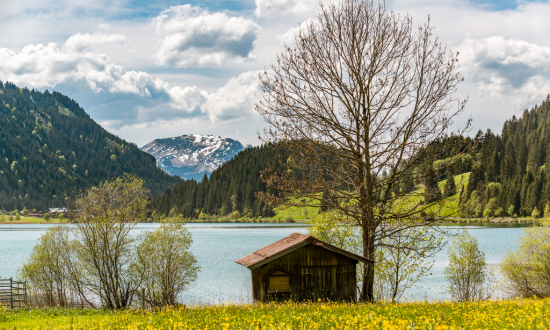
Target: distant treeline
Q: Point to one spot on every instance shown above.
(51, 149)
(231, 187)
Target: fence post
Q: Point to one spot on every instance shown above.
(11, 293)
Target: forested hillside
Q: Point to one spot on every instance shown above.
(511, 172)
(50, 149)
(230, 188)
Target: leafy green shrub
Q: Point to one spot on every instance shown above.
(167, 266)
(468, 274)
(536, 213)
(46, 216)
(73, 262)
(510, 211)
(527, 271)
(289, 219)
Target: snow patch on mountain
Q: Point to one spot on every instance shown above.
(192, 156)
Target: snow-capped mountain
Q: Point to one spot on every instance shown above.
(191, 156)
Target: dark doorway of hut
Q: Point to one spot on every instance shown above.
(303, 268)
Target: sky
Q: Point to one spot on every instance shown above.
(155, 69)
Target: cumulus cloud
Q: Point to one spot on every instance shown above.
(88, 42)
(507, 67)
(271, 8)
(47, 66)
(290, 35)
(236, 99)
(194, 37)
(188, 98)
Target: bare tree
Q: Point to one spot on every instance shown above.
(356, 104)
(105, 217)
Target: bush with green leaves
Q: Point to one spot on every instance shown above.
(101, 259)
(46, 216)
(510, 210)
(536, 213)
(526, 272)
(47, 269)
(468, 275)
(165, 264)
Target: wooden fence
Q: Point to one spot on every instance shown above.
(13, 294)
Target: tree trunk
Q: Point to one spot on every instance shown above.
(367, 291)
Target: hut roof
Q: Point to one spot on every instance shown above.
(288, 244)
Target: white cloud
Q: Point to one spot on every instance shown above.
(508, 68)
(236, 99)
(273, 8)
(47, 66)
(88, 42)
(194, 37)
(188, 98)
(290, 35)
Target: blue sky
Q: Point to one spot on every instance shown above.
(155, 69)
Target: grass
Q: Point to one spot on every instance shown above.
(5, 219)
(295, 212)
(449, 207)
(508, 314)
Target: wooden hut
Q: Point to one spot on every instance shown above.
(301, 268)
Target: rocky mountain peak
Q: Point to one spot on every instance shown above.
(191, 156)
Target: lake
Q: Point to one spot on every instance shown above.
(217, 246)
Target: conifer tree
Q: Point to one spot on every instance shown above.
(477, 176)
(432, 193)
(535, 213)
(450, 187)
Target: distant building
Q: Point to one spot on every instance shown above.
(57, 210)
(302, 268)
(3, 212)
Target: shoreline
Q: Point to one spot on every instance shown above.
(30, 223)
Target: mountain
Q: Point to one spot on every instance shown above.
(50, 149)
(231, 187)
(192, 156)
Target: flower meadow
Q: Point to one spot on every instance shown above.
(505, 314)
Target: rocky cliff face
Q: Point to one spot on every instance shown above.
(192, 156)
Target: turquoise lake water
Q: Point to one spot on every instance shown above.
(217, 246)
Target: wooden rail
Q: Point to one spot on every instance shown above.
(13, 294)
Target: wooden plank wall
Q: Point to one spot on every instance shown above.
(316, 273)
